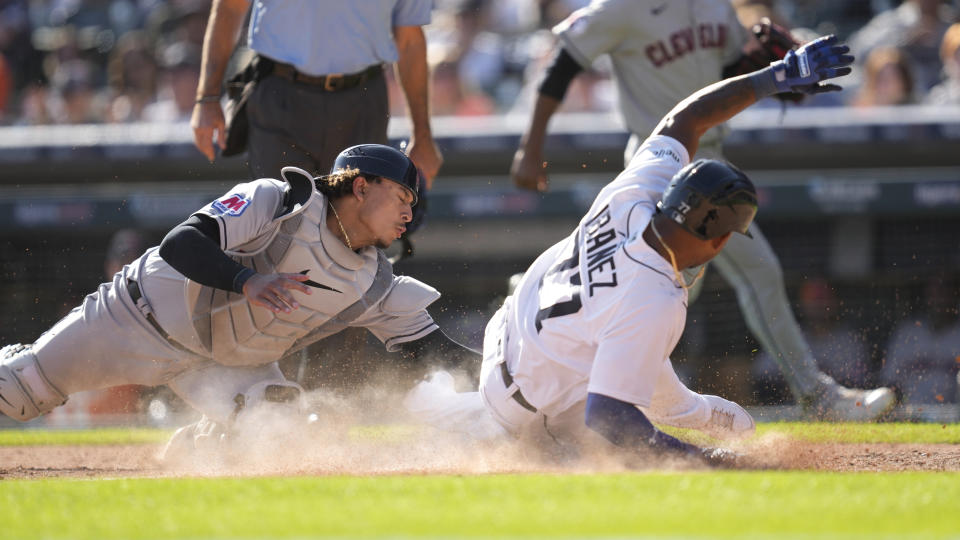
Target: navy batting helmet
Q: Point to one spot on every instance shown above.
(381, 161)
(710, 198)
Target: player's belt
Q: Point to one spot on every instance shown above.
(333, 82)
(517, 396)
(134, 289)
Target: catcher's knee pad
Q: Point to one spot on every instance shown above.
(25, 392)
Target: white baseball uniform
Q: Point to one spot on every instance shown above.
(216, 343)
(599, 312)
(663, 51)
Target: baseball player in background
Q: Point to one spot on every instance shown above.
(659, 51)
(267, 269)
(583, 344)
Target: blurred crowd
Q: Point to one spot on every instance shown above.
(109, 61)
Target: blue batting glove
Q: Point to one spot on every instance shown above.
(804, 69)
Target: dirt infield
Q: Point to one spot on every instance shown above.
(107, 461)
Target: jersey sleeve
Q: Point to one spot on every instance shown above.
(411, 13)
(738, 36)
(640, 336)
(657, 160)
(596, 29)
(401, 315)
(245, 212)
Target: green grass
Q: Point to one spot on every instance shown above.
(661, 505)
(725, 504)
(865, 433)
(40, 437)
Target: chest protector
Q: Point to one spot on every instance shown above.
(239, 333)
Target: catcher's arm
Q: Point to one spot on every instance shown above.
(192, 249)
(437, 351)
(770, 43)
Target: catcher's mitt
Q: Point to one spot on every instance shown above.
(771, 44)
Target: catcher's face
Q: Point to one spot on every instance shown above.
(385, 211)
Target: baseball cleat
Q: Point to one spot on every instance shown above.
(842, 404)
(728, 420)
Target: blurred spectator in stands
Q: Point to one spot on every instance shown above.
(23, 59)
(180, 63)
(552, 12)
(6, 86)
(452, 97)
(22, 74)
(887, 79)
(832, 17)
(132, 73)
(75, 97)
(840, 349)
(592, 90)
(33, 107)
(750, 12)
(923, 354)
(488, 40)
(917, 27)
(948, 91)
(180, 20)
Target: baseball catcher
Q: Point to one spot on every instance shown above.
(268, 268)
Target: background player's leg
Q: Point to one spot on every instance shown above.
(753, 270)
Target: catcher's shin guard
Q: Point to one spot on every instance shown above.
(25, 392)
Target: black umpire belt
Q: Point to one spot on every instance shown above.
(517, 396)
(333, 82)
(134, 288)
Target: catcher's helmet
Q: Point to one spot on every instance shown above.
(710, 198)
(383, 161)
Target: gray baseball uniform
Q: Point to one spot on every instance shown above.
(153, 326)
(662, 51)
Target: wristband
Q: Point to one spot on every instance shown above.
(208, 99)
(765, 82)
(241, 278)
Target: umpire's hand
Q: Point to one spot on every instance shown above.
(207, 119)
(272, 291)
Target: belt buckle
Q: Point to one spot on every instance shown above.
(332, 82)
